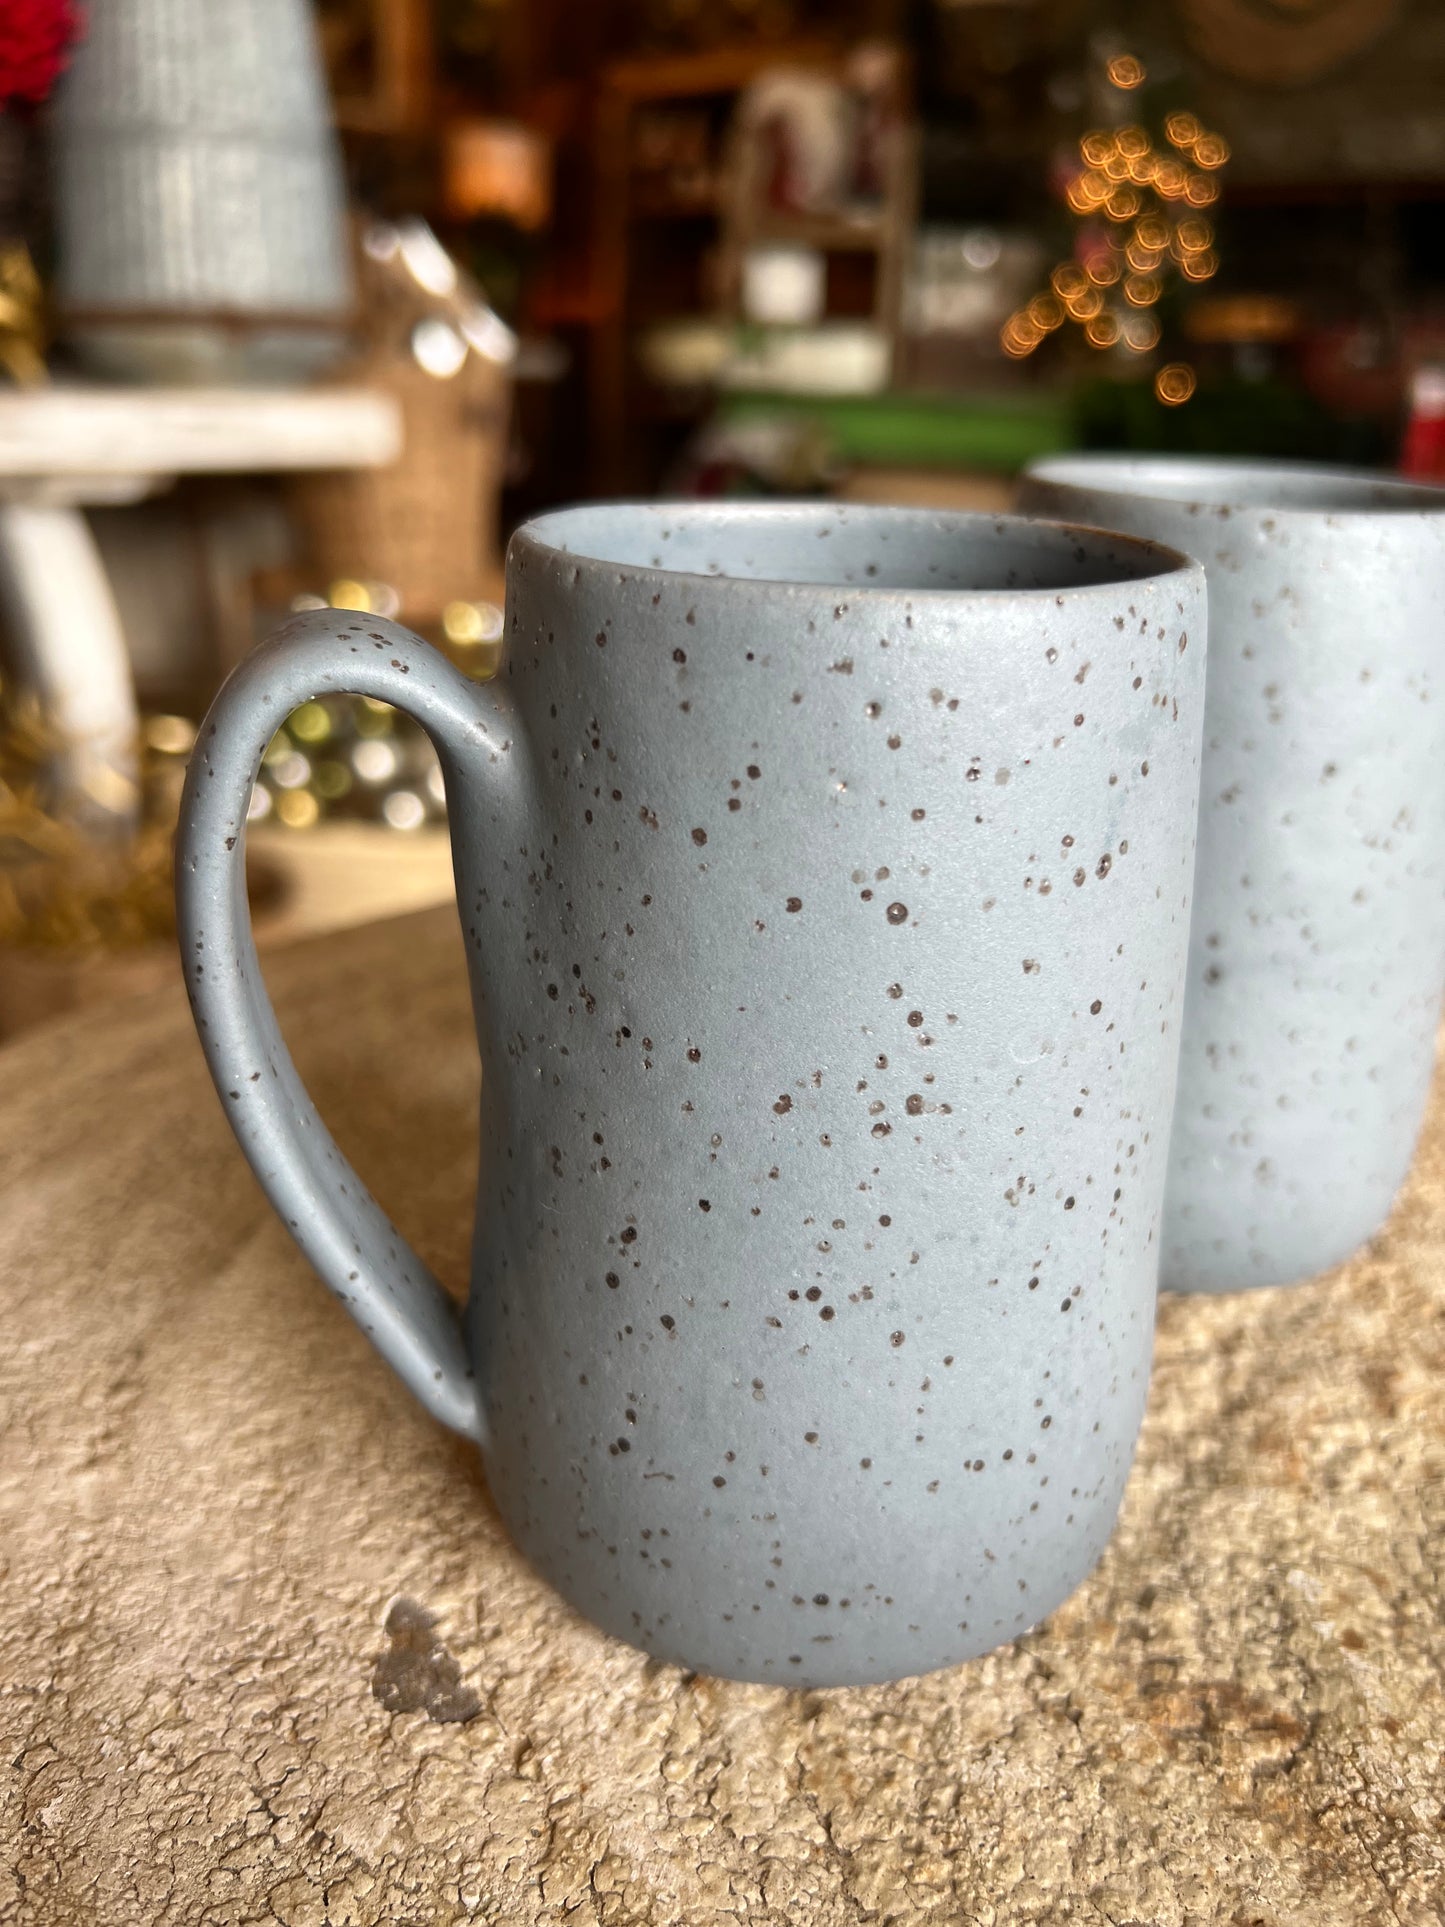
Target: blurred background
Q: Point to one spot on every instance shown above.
(312, 303)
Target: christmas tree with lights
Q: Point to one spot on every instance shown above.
(1140, 200)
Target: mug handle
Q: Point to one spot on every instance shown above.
(358, 1252)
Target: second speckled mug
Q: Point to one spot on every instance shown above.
(1319, 912)
(825, 876)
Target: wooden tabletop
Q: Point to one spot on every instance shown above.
(266, 1654)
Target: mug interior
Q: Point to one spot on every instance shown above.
(1220, 482)
(838, 545)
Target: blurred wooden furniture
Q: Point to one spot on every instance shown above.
(340, 875)
(657, 243)
(621, 294)
(267, 1652)
(133, 440)
(931, 488)
(882, 230)
(381, 57)
(1286, 45)
(64, 447)
(303, 883)
(334, 876)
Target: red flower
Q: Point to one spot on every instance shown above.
(35, 36)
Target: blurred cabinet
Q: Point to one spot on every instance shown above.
(680, 197)
(380, 55)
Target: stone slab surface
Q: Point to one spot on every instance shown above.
(266, 1655)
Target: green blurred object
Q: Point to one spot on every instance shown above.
(1227, 416)
(922, 430)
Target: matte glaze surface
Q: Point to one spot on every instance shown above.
(826, 878)
(1319, 920)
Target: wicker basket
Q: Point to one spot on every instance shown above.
(428, 525)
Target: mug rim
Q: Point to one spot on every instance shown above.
(1220, 484)
(1156, 562)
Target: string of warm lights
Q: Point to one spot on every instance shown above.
(1142, 208)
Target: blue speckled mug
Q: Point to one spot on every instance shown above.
(1318, 953)
(825, 875)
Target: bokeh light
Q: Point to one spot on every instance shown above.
(1174, 383)
(1115, 281)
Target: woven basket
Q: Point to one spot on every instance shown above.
(428, 525)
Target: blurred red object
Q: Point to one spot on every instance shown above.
(1353, 369)
(1423, 451)
(35, 37)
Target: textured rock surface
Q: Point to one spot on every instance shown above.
(265, 1654)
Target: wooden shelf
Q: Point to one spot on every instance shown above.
(835, 234)
(723, 70)
(703, 206)
(90, 431)
(625, 258)
(1316, 193)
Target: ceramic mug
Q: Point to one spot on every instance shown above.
(825, 879)
(1318, 954)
